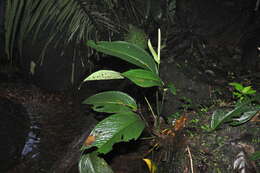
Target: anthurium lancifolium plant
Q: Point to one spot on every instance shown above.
(124, 123)
(247, 105)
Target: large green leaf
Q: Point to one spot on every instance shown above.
(239, 115)
(111, 102)
(126, 51)
(218, 118)
(143, 78)
(246, 116)
(104, 75)
(115, 128)
(91, 163)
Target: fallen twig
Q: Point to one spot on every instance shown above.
(191, 162)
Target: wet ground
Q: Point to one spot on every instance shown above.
(55, 120)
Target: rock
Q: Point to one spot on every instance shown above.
(13, 132)
(220, 23)
(249, 48)
(190, 92)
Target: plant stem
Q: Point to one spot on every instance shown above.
(151, 109)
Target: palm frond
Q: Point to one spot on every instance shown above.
(66, 21)
(69, 22)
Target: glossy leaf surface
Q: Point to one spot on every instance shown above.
(111, 102)
(239, 115)
(104, 75)
(246, 116)
(143, 78)
(115, 128)
(126, 51)
(91, 163)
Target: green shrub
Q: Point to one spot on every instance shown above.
(124, 124)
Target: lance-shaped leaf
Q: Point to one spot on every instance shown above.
(240, 114)
(248, 90)
(126, 51)
(143, 78)
(104, 75)
(237, 86)
(120, 127)
(246, 116)
(91, 163)
(111, 102)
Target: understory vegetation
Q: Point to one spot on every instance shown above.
(173, 96)
(126, 124)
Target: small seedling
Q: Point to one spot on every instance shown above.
(241, 92)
